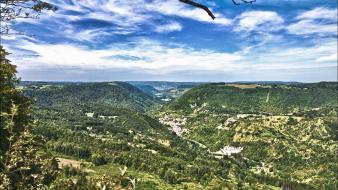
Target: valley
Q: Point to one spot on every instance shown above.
(173, 135)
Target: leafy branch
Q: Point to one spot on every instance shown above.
(14, 9)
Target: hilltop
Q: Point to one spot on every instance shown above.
(257, 98)
(84, 95)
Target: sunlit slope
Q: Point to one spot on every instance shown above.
(286, 133)
(283, 131)
(253, 98)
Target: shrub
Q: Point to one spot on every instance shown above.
(99, 160)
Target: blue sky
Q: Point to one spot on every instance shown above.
(105, 40)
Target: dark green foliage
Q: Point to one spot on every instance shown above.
(280, 129)
(72, 150)
(85, 96)
(292, 121)
(22, 166)
(283, 99)
(82, 182)
(70, 171)
(99, 160)
(14, 112)
(40, 5)
(170, 176)
(147, 185)
(116, 134)
(147, 89)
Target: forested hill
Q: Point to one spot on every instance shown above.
(147, 89)
(107, 94)
(254, 98)
(212, 136)
(282, 131)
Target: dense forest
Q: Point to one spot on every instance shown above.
(280, 140)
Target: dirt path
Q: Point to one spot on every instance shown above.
(268, 96)
(73, 163)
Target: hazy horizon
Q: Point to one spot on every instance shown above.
(130, 81)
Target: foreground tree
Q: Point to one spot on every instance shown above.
(21, 166)
(14, 112)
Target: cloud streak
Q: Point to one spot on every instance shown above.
(152, 56)
(169, 27)
(319, 21)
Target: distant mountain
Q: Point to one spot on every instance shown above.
(164, 90)
(265, 82)
(253, 98)
(147, 89)
(105, 94)
(163, 85)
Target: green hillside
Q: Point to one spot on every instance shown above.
(286, 139)
(284, 135)
(252, 98)
(80, 95)
(147, 89)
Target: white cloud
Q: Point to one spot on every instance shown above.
(170, 27)
(262, 21)
(319, 21)
(319, 13)
(317, 56)
(127, 13)
(176, 8)
(125, 17)
(152, 56)
(88, 35)
(259, 26)
(308, 27)
(328, 58)
(266, 54)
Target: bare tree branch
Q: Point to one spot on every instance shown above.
(234, 1)
(199, 6)
(244, 1)
(190, 2)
